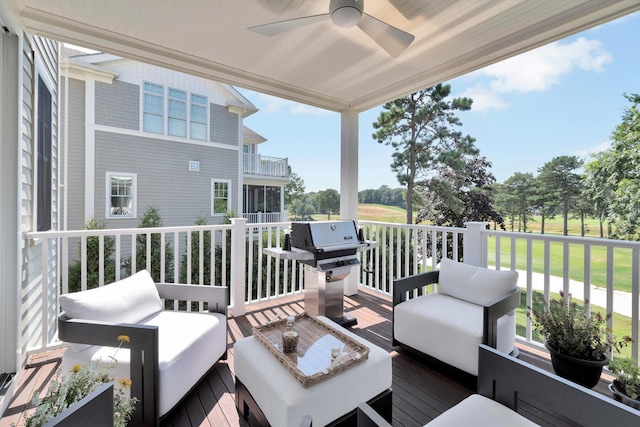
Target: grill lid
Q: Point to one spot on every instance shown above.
(325, 236)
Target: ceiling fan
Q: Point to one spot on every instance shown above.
(346, 14)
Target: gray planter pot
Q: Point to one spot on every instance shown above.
(95, 409)
(621, 397)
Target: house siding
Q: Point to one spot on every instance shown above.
(118, 105)
(39, 264)
(223, 125)
(163, 176)
(76, 173)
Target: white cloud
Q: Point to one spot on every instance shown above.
(587, 152)
(537, 70)
(272, 104)
(483, 98)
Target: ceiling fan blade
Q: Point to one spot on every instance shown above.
(390, 38)
(275, 28)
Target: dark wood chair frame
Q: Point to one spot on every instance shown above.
(492, 311)
(509, 381)
(143, 343)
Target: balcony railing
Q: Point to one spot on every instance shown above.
(257, 164)
(266, 217)
(232, 255)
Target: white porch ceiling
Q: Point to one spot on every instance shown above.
(320, 64)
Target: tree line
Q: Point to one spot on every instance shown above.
(606, 187)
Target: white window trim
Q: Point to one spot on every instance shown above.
(229, 194)
(165, 114)
(107, 195)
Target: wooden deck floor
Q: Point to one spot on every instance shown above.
(420, 391)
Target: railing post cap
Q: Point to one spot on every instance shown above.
(476, 223)
(238, 221)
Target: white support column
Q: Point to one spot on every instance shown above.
(349, 165)
(473, 250)
(349, 182)
(89, 148)
(238, 257)
(10, 231)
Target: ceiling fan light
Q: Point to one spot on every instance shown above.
(346, 16)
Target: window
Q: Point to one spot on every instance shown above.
(177, 113)
(153, 108)
(121, 195)
(198, 117)
(44, 163)
(220, 197)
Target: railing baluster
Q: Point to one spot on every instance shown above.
(101, 260)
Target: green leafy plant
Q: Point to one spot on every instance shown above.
(627, 376)
(570, 330)
(64, 391)
(93, 259)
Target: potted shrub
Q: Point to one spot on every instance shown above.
(579, 343)
(626, 384)
(72, 389)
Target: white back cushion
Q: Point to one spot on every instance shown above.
(126, 301)
(474, 284)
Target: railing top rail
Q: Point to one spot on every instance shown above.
(568, 239)
(426, 227)
(114, 231)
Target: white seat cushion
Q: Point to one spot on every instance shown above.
(448, 329)
(284, 401)
(189, 345)
(479, 411)
(474, 284)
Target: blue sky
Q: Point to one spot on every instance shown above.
(565, 98)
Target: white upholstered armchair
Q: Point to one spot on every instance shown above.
(470, 306)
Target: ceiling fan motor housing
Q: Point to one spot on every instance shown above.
(346, 13)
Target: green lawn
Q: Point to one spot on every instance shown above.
(621, 261)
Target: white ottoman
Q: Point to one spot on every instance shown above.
(265, 388)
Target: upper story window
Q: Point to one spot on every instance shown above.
(220, 197)
(181, 108)
(121, 195)
(177, 113)
(198, 117)
(153, 108)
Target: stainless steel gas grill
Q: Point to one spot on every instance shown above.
(329, 249)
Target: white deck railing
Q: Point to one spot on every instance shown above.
(257, 164)
(232, 255)
(261, 217)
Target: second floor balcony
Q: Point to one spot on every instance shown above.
(257, 164)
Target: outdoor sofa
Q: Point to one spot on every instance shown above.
(168, 351)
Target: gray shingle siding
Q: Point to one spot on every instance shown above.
(223, 125)
(75, 183)
(163, 176)
(118, 105)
